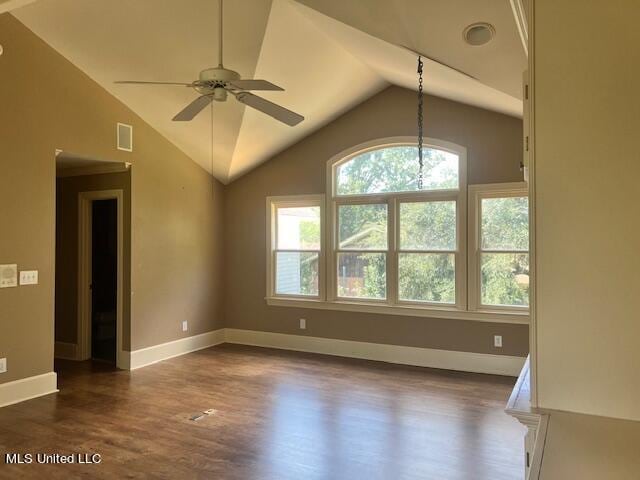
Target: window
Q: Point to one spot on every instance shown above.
(500, 261)
(362, 251)
(393, 248)
(393, 169)
(394, 244)
(427, 252)
(295, 247)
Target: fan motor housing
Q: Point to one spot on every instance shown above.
(218, 74)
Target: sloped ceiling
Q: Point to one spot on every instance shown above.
(434, 27)
(7, 5)
(328, 55)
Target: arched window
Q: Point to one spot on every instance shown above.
(394, 168)
(393, 242)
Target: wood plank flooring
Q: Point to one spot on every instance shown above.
(280, 416)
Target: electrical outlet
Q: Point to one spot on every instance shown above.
(3, 365)
(185, 326)
(303, 324)
(29, 277)
(497, 341)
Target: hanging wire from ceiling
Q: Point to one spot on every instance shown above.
(213, 179)
(420, 123)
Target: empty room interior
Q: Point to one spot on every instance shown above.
(319, 239)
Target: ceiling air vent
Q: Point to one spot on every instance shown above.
(125, 137)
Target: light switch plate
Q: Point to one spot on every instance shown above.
(29, 277)
(8, 275)
(3, 365)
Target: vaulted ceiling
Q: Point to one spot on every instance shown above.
(328, 55)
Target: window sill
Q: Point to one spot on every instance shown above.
(406, 310)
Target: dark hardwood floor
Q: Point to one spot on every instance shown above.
(280, 415)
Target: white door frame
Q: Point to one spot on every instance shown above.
(85, 200)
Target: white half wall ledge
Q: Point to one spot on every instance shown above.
(403, 355)
(28, 388)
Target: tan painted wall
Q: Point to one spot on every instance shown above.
(176, 246)
(587, 107)
(66, 294)
(494, 143)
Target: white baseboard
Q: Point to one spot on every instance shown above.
(421, 357)
(157, 353)
(28, 388)
(66, 351)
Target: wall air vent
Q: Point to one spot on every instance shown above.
(125, 137)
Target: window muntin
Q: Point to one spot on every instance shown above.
(393, 169)
(503, 250)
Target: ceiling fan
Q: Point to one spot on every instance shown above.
(216, 83)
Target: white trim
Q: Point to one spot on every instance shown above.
(520, 17)
(392, 199)
(272, 204)
(519, 407)
(130, 127)
(157, 353)
(476, 194)
(421, 357)
(106, 167)
(405, 310)
(538, 448)
(66, 351)
(28, 388)
(84, 272)
(531, 157)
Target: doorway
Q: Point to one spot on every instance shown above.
(100, 276)
(104, 279)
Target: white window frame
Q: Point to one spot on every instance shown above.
(476, 194)
(334, 250)
(466, 307)
(393, 201)
(293, 201)
(460, 252)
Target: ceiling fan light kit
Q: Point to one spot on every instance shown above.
(216, 83)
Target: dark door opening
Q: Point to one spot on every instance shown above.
(104, 279)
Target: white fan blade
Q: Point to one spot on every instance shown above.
(254, 85)
(270, 108)
(135, 82)
(193, 109)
